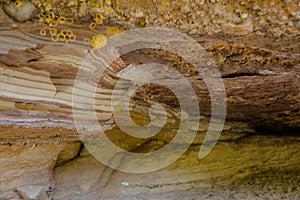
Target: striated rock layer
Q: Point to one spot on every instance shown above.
(42, 155)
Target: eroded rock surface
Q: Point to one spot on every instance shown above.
(248, 168)
(28, 168)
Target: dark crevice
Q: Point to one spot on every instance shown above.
(33, 60)
(236, 75)
(269, 129)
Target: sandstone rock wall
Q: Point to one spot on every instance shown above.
(255, 45)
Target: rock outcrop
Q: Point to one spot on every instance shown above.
(43, 156)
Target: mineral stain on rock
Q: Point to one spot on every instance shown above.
(20, 10)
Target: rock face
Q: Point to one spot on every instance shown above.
(42, 154)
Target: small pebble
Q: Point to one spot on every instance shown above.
(244, 16)
(185, 9)
(125, 183)
(238, 11)
(290, 23)
(139, 14)
(202, 2)
(277, 33)
(274, 10)
(256, 7)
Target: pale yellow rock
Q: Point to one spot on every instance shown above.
(98, 41)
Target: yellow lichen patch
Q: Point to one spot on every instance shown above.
(104, 9)
(61, 37)
(110, 30)
(53, 24)
(64, 35)
(54, 38)
(64, 32)
(98, 41)
(99, 18)
(109, 11)
(18, 3)
(57, 20)
(62, 20)
(143, 22)
(72, 38)
(67, 36)
(53, 31)
(48, 19)
(118, 10)
(43, 32)
(41, 17)
(100, 7)
(87, 40)
(69, 21)
(107, 2)
(53, 20)
(47, 6)
(164, 5)
(93, 25)
(69, 32)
